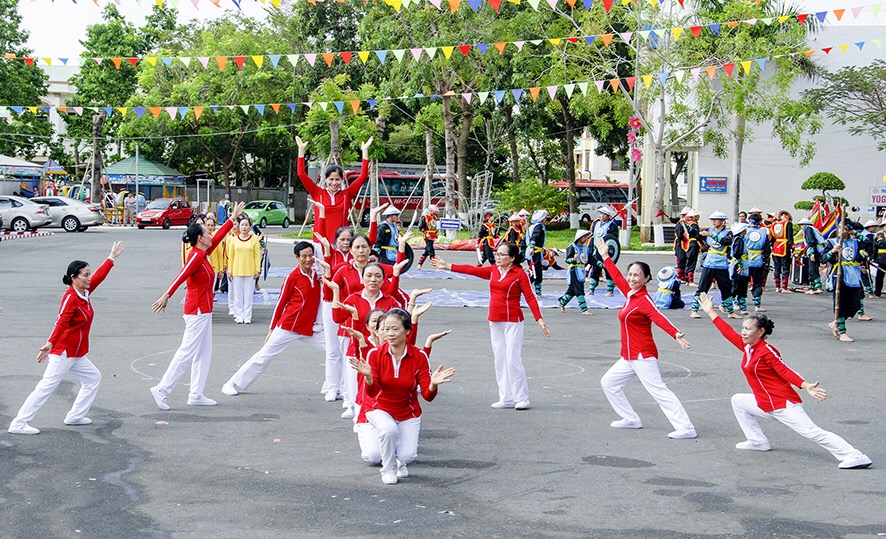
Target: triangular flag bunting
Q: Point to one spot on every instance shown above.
(583, 87)
(827, 50)
(222, 62)
(482, 96)
(239, 60)
(860, 45)
(431, 52)
(339, 105)
(626, 36)
(416, 53)
(183, 111)
(399, 53)
(712, 70)
(260, 109)
(274, 106)
(728, 68)
(467, 97)
(599, 84)
(245, 109)
(552, 91)
(475, 4)
(647, 80)
(311, 58)
(204, 61)
(877, 41)
(802, 17)
(500, 45)
(154, 110)
(275, 59)
(499, 95)
(132, 61)
(123, 110)
(198, 111)
(696, 31)
(381, 55)
(662, 77)
(363, 56)
(695, 72)
(518, 93)
(171, 111)
(555, 41)
(519, 45)
(292, 59)
(534, 4)
(715, 28)
(762, 63)
(185, 60)
(118, 61)
(856, 11)
(677, 33)
(495, 4)
(453, 5)
(844, 47)
(48, 61)
(630, 82)
(821, 15)
(372, 102)
(607, 5)
(167, 61)
(259, 60)
(328, 57)
(607, 39)
(137, 110)
(746, 66)
(875, 9)
(613, 84)
(152, 61)
(534, 92)
(569, 88)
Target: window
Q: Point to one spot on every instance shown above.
(5, 203)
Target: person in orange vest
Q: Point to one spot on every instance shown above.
(428, 225)
(488, 234)
(781, 234)
(516, 234)
(681, 243)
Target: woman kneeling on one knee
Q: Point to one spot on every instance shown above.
(773, 397)
(394, 373)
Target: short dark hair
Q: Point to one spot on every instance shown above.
(644, 267)
(365, 238)
(301, 246)
(341, 230)
(762, 322)
(400, 314)
(334, 168)
(369, 317)
(513, 248)
(373, 265)
(192, 234)
(74, 269)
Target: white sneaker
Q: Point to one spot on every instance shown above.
(349, 414)
(522, 405)
(401, 470)
(854, 463)
(330, 396)
(22, 428)
(230, 389)
(751, 446)
(626, 424)
(502, 404)
(389, 478)
(201, 400)
(683, 434)
(247, 321)
(159, 397)
(81, 421)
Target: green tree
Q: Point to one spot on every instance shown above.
(24, 133)
(856, 96)
(532, 194)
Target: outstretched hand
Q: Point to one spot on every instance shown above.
(706, 303)
(237, 211)
(440, 264)
(440, 376)
(302, 146)
(160, 305)
(813, 389)
(681, 339)
(116, 249)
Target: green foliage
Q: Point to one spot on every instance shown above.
(532, 194)
(804, 205)
(824, 182)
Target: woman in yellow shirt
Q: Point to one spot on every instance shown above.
(244, 265)
(219, 258)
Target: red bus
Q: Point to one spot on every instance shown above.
(593, 194)
(403, 190)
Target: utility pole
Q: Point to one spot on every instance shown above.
(98, 121)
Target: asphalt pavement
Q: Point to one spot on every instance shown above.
(277, 461)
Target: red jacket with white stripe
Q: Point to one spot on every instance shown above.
(504, 291)
(199, 275)
(71, 332)
(357, 300)
(768, 375)
(337, 205)
(395, 389)
(636, 317)
(296, 310)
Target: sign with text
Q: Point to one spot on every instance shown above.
(712, 184)
(878, 196)
(450, 224)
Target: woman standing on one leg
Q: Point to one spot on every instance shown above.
(394, 373)
(639, 355)
(507, 282)
(773, 397)
(195, 350)
(67, 347)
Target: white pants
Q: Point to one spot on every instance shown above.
(507, 349)
(56, 368)
(334, 359)
(367, 437)
(349, 374)
(397, 440)
(195, 352)
(242, 289)
(646, 369)
(276, 344)
(744, 405)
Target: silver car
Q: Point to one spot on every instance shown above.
(72, 214)
(20, 214)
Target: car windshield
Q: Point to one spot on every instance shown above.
(158, 205)
(256, 205)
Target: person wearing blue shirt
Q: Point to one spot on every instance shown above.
(535, 248)
(758, 250)
(718, 239)
(814, 251)
(738, 267)
(605, 228)
(848, 254)
(388, 237)
(667, 296)
(577, 256)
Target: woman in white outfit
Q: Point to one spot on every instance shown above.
(244, 266)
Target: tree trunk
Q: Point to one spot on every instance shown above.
(512, 142)
(679, 161)
(335, 142)
(226, 177)
(449, 136)
(467, 116)
(658, 144)
(569, 144)
(98, 121)
(738, 135)
(429, 169)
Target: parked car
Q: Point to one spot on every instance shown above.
(20, 214)
(71, 214)
(267, 212)
(165, 212)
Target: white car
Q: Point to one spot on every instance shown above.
(20, 214)
(72, 214)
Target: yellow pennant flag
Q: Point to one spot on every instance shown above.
(396, 4)
(152, 61)
(783, 18)
(653, 2)
(259, 60)
(843, 47)
(276, 4)
(555, 41)
(33, 109)
(363, 56)
(647, 80)
(447, 51)
(123, 110)
(677, 33)
(746, 66)
(48, 61)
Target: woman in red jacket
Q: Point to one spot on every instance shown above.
(195, 350)
(507, 282)
(773, 397)
(394, 373)
(639, 355)
(336, 201)
(67, 347)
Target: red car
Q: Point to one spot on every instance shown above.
(165, 212)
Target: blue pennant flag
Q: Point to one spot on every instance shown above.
(371, 103)
(275, 59)
(482, 47)
(821, 15)
(715, 28)
(588, 4)
(291, 107)
(762, 63)
(166, 60)
(475, 4)
(381, 55)
(517, 94)
(183, 111)
(663, 77)
(499, 94)
(340, 105)
(109, 110)
(138, 111)
(260, 109)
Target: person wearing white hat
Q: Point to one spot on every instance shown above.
(845, 251)
(607, 229)
(758, 250)
(814, 251)
(880, 255)
(682, 242)
(388, 237)
(738, 267)
(516, 234)
(487, 236)
(718, 238)
(535, 248)
(577, 256)
(781, 233)
(428, 225)
(668, 294)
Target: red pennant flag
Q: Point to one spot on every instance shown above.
(239, 60)
(133, 61)
(802, 17)
(29, 61)
(327, 57)
(495, 4)
(607, 5)
(465, 49)
(346, 56)
(696, 31)
(728, 68)
(827, 50)
(681, 2)
(630, 82)
(534, 92)
(117, 62)
(572, 39)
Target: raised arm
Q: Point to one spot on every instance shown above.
(310, 185)
(615, 274)
(354, 188)
(707, 305)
